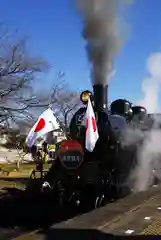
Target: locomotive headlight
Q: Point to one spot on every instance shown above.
(85, 95)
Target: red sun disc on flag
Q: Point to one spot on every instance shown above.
(94, 125)
(40, 125)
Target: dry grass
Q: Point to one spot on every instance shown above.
(11, 184)
(10, 170)
(15, 179)
(23, 167)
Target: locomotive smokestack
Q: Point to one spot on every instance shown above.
(100, 96)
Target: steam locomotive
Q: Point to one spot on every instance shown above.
(91, 179)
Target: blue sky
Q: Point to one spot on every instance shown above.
(54, 31)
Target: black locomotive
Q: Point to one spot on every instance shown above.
(91, 179)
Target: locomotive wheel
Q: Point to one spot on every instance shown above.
(100, 201)
(156, 181)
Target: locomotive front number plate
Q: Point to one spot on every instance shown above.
(71, 159)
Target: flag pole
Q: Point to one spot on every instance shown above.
(50, 101)
(50, 106)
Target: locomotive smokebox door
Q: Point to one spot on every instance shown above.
(71, 154)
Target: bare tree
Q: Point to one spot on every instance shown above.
(66, 105)
(50, 96)
(15, 140)
(18, 70)
(63, 100)
(19, 101)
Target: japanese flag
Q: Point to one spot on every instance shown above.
(46, 122)
(91, 128)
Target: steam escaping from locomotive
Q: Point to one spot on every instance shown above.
(149, 166)
(149, 155)
(151, 86)
(100, 30)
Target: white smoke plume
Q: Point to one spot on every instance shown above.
(151, 85)
(101, 32)
(149, 154)
(149, 161)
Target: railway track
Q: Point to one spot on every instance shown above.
(115, 218)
